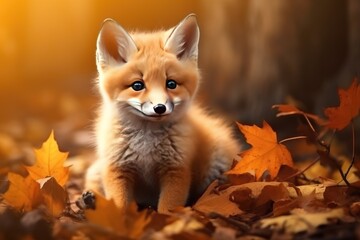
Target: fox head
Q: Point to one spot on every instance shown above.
(153, 76)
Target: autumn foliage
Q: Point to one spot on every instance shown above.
(341, 116)
(266, 153)
(267, 194)
(44, 184)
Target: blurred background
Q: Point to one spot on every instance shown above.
(253, 54)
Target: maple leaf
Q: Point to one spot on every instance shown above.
(341, 116)
(266, 153)
(23, 193)
(50, 162)
(128, 222)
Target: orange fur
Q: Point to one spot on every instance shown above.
(154, 145)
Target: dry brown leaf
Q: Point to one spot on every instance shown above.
(238, 179)
(234, 199)
(50, 162)
(355, 209)
(341, 116)
(243, 198)
(336, 195)
(307, 190)
(307, 202)
(301, 221)
(272, 193)
(158, 221)
(284, 206)
(217, 201)
(266, 153)
(264, 202)
(128, 223)
(225, 233)
(182, 225)
(259, 198)
(23, 193)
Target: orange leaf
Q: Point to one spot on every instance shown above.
(285, 109)
(266, 153)
(54, 195)
(217, 201)
(341, 116)
(23, 193)
(50, 162)
(125, 222)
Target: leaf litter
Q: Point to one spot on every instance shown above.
(266, 196)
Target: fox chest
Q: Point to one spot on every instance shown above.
(149, 152)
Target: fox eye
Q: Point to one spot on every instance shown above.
(171, 84)
(138, 85)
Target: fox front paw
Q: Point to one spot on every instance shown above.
(86, 201)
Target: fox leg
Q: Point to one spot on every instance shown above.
(174, 189)
(93, 179)
(118, 185)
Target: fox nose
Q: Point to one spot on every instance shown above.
(160, 108)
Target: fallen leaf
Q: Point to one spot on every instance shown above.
(301, 221)
(306, 202)
(355, 209)
(128, 223)
(307, 190)
(238, 179)
(182, 225)
(266, 153)
(213, 201)
(23, 193)
(244, 198)
(158, 221)
(234, 200)
(54, 195)
(337, 196)
(259, 198)
(50, 162)
(224, 233)
(268, 197)
(273, 193)
(341, 116)
(284, 206)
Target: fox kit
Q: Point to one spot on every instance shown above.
(154, 145)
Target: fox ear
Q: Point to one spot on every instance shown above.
(114, 45)
(183, 39)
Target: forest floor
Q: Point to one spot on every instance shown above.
(305, 186)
